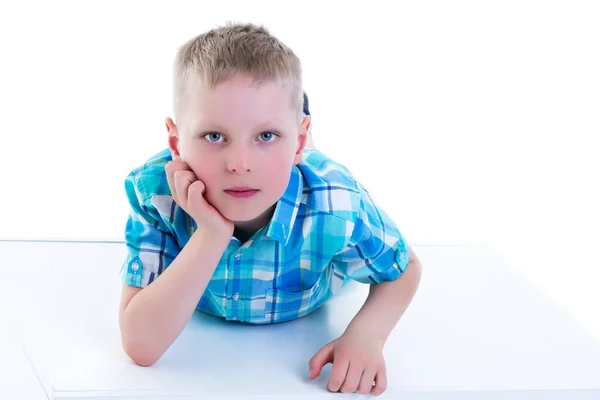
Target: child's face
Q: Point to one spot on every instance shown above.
(240, 134)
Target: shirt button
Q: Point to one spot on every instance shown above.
(238, 255)
(135, 266)
(236, 297)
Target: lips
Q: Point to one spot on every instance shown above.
(240, 189)
(241, 192)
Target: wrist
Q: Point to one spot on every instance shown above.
(364, 329)
(207, 238)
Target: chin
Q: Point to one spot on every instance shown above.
(240, 215)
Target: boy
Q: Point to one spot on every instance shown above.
(239, 219)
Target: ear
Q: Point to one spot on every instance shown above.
(303, 139)
(174, 142)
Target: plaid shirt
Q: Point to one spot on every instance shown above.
(326, 229)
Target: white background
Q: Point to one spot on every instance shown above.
(470, 121)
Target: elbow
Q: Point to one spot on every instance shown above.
(137, 346)
(140, 356)
(140, 353)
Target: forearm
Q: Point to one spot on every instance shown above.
(386, 303)
(156, 315)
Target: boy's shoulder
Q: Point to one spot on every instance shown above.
(330, 186)
(150, 179)
(319, 168)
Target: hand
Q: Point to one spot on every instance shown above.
(357, 362)
(188, 192)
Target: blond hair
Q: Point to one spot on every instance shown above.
(218, 54)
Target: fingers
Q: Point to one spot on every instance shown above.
(319, 360)
(355, 371)
(338, 374)
(171, 168)
(366, 382)
(183, 179)
(380, 382)
(169, 173)
(196, 190)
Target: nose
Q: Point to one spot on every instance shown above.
(239, 159)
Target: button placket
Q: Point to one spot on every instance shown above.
(236, 296)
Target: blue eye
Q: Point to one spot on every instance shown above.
(269, 135)
(212, 134)
(214, 137)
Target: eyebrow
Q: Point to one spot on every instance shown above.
(211, 126)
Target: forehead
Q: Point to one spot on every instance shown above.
(240, 97)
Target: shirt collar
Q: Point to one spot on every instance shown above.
(282, 223)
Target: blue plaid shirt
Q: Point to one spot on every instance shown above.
(326, 229)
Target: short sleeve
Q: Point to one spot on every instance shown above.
(150, 245)
(377, 250)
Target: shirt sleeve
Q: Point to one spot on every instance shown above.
(151, 246)
(377, 250)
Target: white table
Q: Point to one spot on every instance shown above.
(18, 380)
(474, 331)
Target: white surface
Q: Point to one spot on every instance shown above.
(475, 330)
(18, 380)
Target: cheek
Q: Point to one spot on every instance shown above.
(280, 170)
(212, 182)
(185, 149)
(202, 166)
(203, 171)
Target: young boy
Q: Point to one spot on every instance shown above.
(240, 219)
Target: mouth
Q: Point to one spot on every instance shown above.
(240, 189)
(238, 192)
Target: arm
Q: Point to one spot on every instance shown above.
(387, 302)
(357, 355)
(152, 318)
